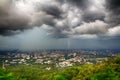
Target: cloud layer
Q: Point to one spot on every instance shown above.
(62, 18)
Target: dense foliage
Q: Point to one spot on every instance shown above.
(107, 70)
(5, 75)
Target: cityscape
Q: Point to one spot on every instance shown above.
(56, 58)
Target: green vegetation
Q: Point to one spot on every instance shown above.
(5, 75)
(107, 70)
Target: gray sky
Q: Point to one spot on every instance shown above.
(61, 24)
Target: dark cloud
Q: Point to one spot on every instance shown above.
(79, 3)
(94, 11)
(91, 17)
(13, 17)
(54, 11)
(113, 4)
(10, 19)
(13, 23)
(62, 17)
(113, 17)
(59, 19)
(9, 32)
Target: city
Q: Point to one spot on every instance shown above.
(57, 58)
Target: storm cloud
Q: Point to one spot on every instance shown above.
(51, 24)
(113, 16)
(63, 18)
